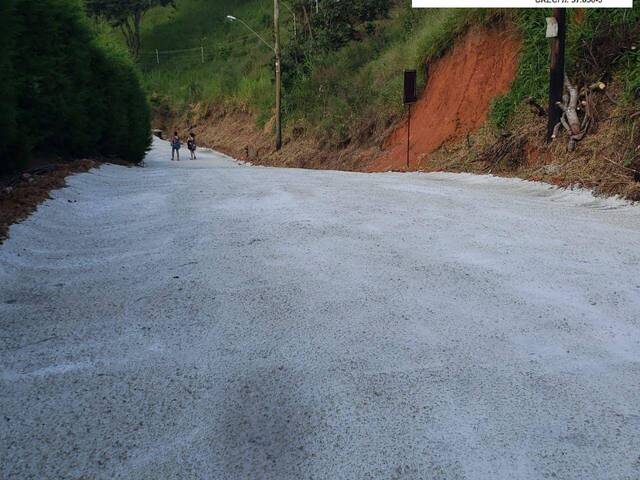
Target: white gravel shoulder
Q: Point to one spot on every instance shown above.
(212, 320)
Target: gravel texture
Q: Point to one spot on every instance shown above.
(206, 319)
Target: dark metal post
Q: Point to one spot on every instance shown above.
(409, 98)
(408, 135)
(556, 75)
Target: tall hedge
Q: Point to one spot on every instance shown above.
(69, 95)
(8, 123)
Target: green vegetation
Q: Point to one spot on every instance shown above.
(63, 93)
(236, 71)
(341, 70)
(598, 46)
(69, 90)
(342, 66)
(8, 99)
(125, 15)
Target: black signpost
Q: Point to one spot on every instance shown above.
(409, 98)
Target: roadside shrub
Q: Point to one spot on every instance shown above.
(68, 95)
(122, 111)
(338, 21)
(8, 98)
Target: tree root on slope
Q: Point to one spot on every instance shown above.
(574, 102)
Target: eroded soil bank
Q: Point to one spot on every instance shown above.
(457, 98)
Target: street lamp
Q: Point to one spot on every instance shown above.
(231, 18)
(276, 50)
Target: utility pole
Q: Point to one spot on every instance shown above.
(556, 74)
(276, 50)
(276, 30)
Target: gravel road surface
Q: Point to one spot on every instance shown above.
(211, 320)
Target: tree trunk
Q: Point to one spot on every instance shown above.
(306, 17)
(137, 23)
(131, 32)
(571, 110)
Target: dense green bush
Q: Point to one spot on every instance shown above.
(67, 95)
(8, 97)
(337, 23)
(121, 109)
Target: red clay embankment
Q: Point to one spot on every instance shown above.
(457, 97)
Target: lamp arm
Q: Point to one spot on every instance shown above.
(257, 34)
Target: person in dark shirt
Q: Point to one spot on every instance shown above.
(191, 145)
(175, 147)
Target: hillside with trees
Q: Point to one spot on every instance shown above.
(342, 80)
(342, 66)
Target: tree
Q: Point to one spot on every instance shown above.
(65, 92)
(127, 16)
(9, 82)
(337, 22)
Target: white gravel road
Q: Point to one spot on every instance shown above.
(209, 320)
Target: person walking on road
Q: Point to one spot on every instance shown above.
(175, 147)
(191, 145)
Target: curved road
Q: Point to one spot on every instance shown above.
(207, 319)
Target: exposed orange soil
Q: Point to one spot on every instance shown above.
(20, 199)
(457, 98)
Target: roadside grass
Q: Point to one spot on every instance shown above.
(235, 68)
(599, 45)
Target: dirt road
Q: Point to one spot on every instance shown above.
(211, 320)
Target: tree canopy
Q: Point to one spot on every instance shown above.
(126, 15)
